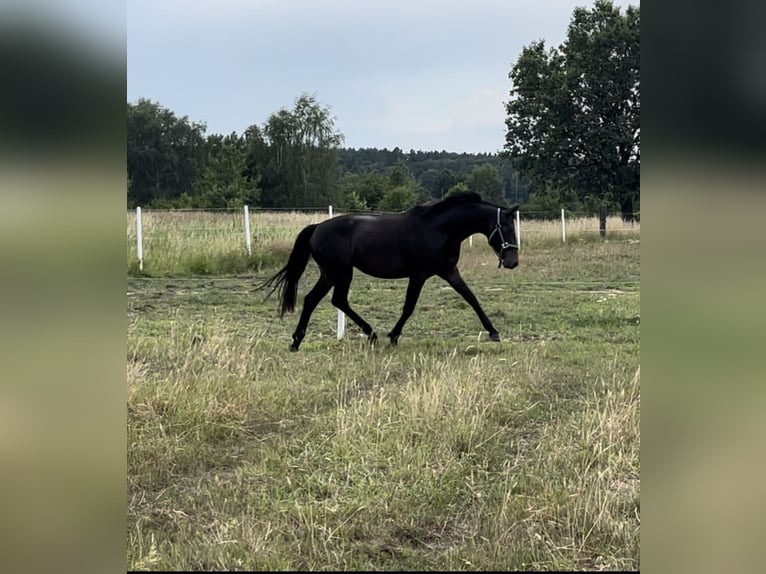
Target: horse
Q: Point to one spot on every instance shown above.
(417, 244)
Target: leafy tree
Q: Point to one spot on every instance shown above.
(427, 181)
(394, 190)
(485, 180)
(224, 182)
(353, 202)
(573, 115)
(369, 188)
(352, 196)
(400, 174)
(398, 198)
(547, 203)
(444, 183)
(297, 155)
(164, 153)
(459, 187)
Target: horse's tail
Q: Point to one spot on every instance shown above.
(286, 279)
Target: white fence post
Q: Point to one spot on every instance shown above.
(563, 227)
(341, 314)
(248, 243)
(470, 242)
(518, 230)
(139, 240)
(341, 324)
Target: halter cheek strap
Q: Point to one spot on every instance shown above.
(504, 244)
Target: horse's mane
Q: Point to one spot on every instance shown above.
(438, 206)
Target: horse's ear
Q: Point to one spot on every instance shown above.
(514, 208)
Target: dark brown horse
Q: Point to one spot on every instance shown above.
(418, 243)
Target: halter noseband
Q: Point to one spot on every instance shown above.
(504, 244)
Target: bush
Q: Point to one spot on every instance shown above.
(398, 199)
(547, 203)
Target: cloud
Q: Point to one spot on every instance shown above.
(394, 72)
(482, 107)
(473, 123)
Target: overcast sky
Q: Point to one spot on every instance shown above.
(417, 74)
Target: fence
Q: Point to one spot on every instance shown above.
(291, 220)
(224, 231)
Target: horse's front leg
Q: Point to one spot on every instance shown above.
(456, 282)
(414, 288)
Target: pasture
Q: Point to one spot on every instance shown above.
(446, 452)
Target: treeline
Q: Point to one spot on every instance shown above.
(294, 160)
(573, 140)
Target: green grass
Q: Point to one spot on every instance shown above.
(448, 451)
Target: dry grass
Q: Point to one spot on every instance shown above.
(446, 452)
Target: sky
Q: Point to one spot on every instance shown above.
(426, 75)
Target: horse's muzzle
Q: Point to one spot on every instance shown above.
(512, 265)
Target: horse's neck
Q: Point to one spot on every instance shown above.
(468, 220)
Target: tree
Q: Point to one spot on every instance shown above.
(164, 154)
(363, 191)
(353, 202)
(427, 181)
(459, 187)
(400, 174)
(299, 159)
(398, 198)
(573, 115)
(485, 180)
(403, 189)
(224, 182)
(546, 203)
(444, 181)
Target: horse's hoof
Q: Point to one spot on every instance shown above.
(494, 337)
(394, 340)
(373, 338)
(294, 348)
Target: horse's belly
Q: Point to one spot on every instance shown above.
(381, 250)
(384, 266)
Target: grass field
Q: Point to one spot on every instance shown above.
(446, 452)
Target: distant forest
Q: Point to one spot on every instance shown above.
(437, 172)
(294, 160)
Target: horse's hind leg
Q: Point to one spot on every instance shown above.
(413, 293)
(310, 301)
(340, 300)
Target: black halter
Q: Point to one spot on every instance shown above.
(504, 244)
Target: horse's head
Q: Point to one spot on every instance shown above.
(503, 237)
